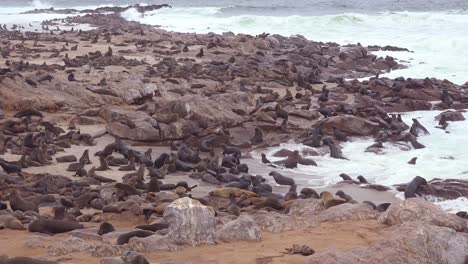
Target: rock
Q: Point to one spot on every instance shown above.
(142, 132)
(451, 116)
(275, 222)
(243, 228)
(179, 129)
(306, 208)
(419, 210)
(347, 211)
(445, 189)
(132, 90)
(349, 124)
(190, 222)
(152, 243)
(406, 243)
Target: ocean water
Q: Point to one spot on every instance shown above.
(436, 32)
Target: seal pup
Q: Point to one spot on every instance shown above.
(130, 166)
(50, 226)
(329, 200)
(258, 137)
(10, 222)
(153, 185)
(200, 53)
(105, 228)
(280, 112)
(103, 166)
(280, 179)
(85, 157)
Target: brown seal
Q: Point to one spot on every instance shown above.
(50, 226)
(10, 222)
(105, 228)
(18, 203)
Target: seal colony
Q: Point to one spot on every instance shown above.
(127, 138)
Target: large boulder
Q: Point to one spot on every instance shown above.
(350, 124)
(347, 211)
(132, 90)
(190, 222)
(306, 208)
(276, 222)
(177, 130)
(419, 210)
(406, 243)
(243, 228)
(143, 131)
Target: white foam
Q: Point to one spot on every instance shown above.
(453, 206)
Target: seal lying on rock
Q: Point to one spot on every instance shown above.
(329, 200)
(10, 222)
(18, 203)
(49, 226)
(228, 192)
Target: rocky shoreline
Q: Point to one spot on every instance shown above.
(125, 140)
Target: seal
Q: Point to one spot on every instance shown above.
(124, 238)
(153, 227)
(362, 179)
(345, 177)
(83, 200)
(292, 193)
(291, 161)
(105, 228)
(228, 150)
(413, 161)
(264, 159)
(258, 137)
(10, 222)
(103, 165)
(66, 159)
(344, 196)
(228, 191)
(382, 207)
(329, 200)
(85, 157)
(18, 203)
(335, 151)
(10, 167)
(280, 112)
(416, 144)
(153, 185)
(130, 166)
(412, 187)
(371, 204)
(280, 179)
(308, 193)
(417, 128)
(339, 135)
(161, 160)
(50, 226)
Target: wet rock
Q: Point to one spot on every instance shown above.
(350, 124)
(445, 189)
(419, 210)
(243, 228)
(451, 116)
(406, 243)
(190, 222)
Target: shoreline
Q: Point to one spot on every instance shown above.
(191, 94)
